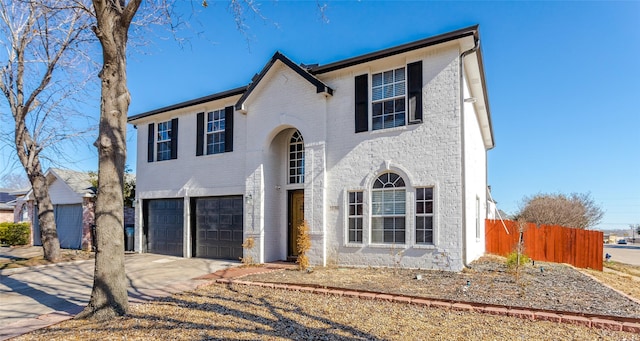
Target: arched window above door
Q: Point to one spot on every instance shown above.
(296, 159)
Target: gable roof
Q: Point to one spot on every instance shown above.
(79, 182)
(320, 86)
(309, 72)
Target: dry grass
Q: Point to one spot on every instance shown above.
(620, 276)
(226, 312)
(66, 255)
(221, 312)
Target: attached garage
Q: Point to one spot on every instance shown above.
(217, 227)
(163, 226)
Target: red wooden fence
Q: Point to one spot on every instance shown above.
(580, 248)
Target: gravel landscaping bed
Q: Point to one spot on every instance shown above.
(545, 286)
(239, 312)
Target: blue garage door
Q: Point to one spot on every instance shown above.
(69, 225)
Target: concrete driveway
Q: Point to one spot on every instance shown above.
(628, 254)
(32, 298)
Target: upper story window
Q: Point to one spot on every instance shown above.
(396, 98)
(388, 209)
(215, 131)
(296, 159)
(162, 141)
(388, 91)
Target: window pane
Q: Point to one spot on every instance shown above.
(428, 207)
(399, 105)
(388, 77)
(399, 89)
(388, 107)
(376, 79)
(376, 93)
(428, 193)
(377, 109)
(399, 74)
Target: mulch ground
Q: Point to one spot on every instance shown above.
(546, 286)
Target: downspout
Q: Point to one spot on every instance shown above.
(462, 151)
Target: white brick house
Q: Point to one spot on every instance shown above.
(384, 155)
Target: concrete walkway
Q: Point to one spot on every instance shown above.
(33, 298)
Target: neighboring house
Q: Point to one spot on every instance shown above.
(384, 155)
(6, 205)
(72, 195)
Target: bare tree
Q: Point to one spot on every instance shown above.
(14, 181)
(113, 20)
(42, 51)
(575, 210)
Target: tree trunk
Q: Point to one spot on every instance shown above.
(27, 151)
(46, 219)
(109, 295)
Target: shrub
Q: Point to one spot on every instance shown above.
(304, 244)
(15, 233)
(248, 245)
(512, 259)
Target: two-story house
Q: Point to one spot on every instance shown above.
(383, 154)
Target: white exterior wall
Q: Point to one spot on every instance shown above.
(188, 176)
(425, 155)
(61, 194)
(337, 160)
(281, 103)
(475, 162)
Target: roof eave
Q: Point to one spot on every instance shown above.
(321, 87)
(435, 40)
(190, 103)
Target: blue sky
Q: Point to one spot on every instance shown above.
(561, 78)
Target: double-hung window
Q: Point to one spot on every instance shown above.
(424, 215)
(396, 98)
(388, 91)
(355, 217)
(215, 132)
(164, 141)
(388, 205)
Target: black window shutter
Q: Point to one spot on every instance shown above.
(200, 134)
(150, 142)
(362, 103)
(414, 79)
(228, 130)
(174, 138)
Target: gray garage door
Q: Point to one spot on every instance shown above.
(69, 225)
(164, 228)
(218, 227)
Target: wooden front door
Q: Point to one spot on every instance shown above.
(296, 218)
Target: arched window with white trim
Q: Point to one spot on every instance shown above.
(296, 159)
(388, 214)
